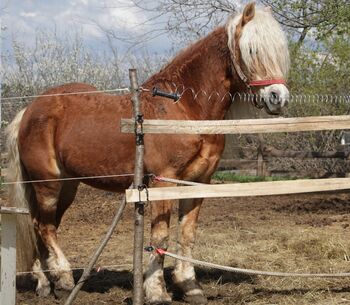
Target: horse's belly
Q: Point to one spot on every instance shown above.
(112, 185)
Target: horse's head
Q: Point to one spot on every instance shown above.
(260, 57)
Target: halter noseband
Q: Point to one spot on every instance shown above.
(266, 82)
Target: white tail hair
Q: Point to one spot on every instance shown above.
(20, 196)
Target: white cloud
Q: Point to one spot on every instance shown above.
(87, 17)
(28, 14)
(126, 17)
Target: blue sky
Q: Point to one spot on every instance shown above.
(22, 19)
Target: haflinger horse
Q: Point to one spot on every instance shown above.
(78, 135)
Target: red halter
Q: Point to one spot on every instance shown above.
(266, 82)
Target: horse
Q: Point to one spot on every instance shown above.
(78, 135)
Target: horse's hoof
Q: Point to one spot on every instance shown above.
(65, 282)
(43, 291)
(61, 293)
(165, 299)
(196, 299)
(64, 286)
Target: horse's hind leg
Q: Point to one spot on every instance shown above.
(50, 208)
(67, 196)
(184, 275)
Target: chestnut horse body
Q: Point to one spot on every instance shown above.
(79, 135)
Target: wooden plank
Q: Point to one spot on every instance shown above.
(4, 156)
(8, 259)
(13, 210)
(240, 126)
(271, 152)
(228, 164)
(241, 189)
(261, 166)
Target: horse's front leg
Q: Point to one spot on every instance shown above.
(154, 284)
(184, 275)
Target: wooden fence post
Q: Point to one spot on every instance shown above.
(261, 168)
(260, 171)
(8, 254)
(138, 182)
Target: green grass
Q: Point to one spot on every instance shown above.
(231, 176)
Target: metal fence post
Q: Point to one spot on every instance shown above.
(138, 182)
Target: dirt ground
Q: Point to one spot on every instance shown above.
(297, 233)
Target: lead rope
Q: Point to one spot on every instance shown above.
(245, 271)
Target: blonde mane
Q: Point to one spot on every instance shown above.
(263, 45)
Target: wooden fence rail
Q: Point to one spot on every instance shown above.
(270, 152)
(239, 189)
(250, 126)
(240, 127)
(275, 125)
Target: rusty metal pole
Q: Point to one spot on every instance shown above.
(138, 183)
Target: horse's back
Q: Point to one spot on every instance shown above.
(76, 134)
(70, 88)
(79, 135)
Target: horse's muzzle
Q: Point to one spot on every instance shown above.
(275, 98)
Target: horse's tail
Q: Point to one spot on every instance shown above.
(20, 195)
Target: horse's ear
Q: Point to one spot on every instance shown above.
(248, 13)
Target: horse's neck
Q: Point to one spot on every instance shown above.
(203, 69)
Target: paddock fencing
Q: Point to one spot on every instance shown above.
(268, 161)
(140, 194)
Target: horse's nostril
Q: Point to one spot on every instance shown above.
(274, 97)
